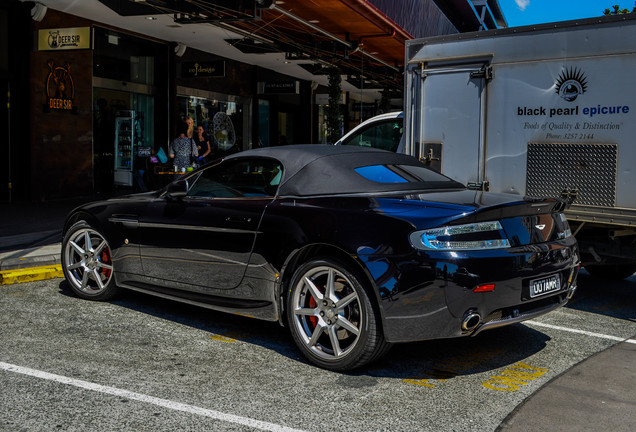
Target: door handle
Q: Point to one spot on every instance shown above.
(238, 219)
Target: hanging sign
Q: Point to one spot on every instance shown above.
(64, 39)
(279, 87)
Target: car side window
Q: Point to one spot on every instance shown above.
(385, 135)
(238, 178)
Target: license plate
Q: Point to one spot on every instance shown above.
(539, 287)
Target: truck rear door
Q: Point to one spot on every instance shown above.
(448, 120)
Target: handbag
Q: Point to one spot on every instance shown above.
(161, 154)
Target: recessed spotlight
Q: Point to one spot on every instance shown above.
(151, 18)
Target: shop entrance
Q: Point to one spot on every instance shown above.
(110, 106)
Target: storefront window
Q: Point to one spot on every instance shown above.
(263, 123)
(224, 118)
(144, 107)
(128, 80)
(122, 57)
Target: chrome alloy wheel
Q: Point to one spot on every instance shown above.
(327, 312)
(88, 262)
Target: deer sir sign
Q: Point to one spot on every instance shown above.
(60, 89)
(64, 39)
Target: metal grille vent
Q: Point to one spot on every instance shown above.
(588, 168)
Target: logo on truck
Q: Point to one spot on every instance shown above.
(571, 83)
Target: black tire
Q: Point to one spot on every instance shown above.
(336, 328)
(611, 271)
(87, 263)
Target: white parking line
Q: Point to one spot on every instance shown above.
(583, 332)
(257, 424)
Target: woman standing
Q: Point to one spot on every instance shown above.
(182, 149)
(190, 123)
(202, 140)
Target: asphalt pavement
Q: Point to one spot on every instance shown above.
(596, 394)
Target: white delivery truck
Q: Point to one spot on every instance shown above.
(545, 110)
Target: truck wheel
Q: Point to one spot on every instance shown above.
(611, 271)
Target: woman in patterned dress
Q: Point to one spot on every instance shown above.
(182, 148)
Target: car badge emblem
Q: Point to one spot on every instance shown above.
(541, 226)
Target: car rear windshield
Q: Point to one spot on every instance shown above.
(400, 174)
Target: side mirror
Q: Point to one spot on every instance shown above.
(177, 189)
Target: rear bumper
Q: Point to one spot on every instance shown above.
(430, 296)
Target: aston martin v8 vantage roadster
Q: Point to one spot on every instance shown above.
(353, 249)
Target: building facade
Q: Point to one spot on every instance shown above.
(89, 105)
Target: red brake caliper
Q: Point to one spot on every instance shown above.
(106, 259)
(313, 304)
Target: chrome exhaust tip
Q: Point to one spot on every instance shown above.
(471, 321)
(571, 291)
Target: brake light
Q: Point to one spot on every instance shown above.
(485, 288)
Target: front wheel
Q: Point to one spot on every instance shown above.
(87, 263)
(331, 317)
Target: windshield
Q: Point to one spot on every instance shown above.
(385, 135)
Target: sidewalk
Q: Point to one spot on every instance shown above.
(30, 239)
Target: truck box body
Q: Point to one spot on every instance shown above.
(547, 110)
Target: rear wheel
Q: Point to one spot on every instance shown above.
(611, 271)
(87, 263)
(331, 317)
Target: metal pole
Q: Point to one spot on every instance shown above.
(10, 184)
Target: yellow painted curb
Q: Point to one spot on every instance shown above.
(30, 274)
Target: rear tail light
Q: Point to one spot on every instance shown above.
(475, 236)
(567, 232)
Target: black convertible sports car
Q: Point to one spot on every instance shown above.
(352, 248)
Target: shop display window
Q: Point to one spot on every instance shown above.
(224, 120)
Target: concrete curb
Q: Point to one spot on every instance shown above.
(34, 263)
(24, 263)
(31, 274)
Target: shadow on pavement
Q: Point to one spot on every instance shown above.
(615, 299)
(436, 359)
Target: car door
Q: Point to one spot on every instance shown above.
(204, 240)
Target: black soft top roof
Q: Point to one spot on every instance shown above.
(318, 169)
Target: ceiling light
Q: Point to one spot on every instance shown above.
(150, 18)
(314, 21)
